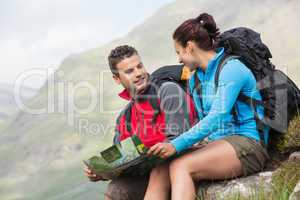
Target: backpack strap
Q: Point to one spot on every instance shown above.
(155, 104)
(198, 89)
(222, 62)
(127, 113)
(253, 103)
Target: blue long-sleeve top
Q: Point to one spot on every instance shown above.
(216, 119)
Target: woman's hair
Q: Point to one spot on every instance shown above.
(202, 30)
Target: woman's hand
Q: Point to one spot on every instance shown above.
(163, 150)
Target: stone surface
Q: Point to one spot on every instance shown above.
(246, 187)
(295, 156)
(296, 193)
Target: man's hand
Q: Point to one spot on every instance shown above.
(93, 177)
(163, 150)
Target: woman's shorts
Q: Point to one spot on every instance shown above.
(252, 155)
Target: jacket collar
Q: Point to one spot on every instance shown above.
(125, 95)
(213, 62)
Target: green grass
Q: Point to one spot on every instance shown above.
(291, 140)
(285, 179)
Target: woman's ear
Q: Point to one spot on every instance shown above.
(190, 46)
(117, 79)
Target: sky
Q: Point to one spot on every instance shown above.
(38, 34)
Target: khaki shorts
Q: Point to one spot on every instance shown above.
(252, 154)
(127, 188)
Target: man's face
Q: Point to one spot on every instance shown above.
(132, 74)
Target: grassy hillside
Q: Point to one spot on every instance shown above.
(8, 106)
(41, 153)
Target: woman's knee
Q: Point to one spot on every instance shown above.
(178, 165)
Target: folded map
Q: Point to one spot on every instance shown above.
(116, 159)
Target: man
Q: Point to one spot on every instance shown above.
(158, 111)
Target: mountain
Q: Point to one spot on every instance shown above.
(8, 106)
(7, 97)
(41, 150)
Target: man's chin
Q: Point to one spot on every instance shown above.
(141, 88)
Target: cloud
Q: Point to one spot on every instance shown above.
(41, 33)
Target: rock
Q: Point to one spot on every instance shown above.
(295, 156)
(296, 193)
(245, 187)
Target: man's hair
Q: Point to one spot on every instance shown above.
(118, 54)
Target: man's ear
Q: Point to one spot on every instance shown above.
(117, 79)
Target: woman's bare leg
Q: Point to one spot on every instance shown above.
(159, 184)
(217, 160)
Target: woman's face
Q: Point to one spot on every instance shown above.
(185, 55)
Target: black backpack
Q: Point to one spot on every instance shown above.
(280, 95)
(178, 74)
(169, 73)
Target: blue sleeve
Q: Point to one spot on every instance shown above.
(233, 77)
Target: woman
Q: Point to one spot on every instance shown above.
(233, 149)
